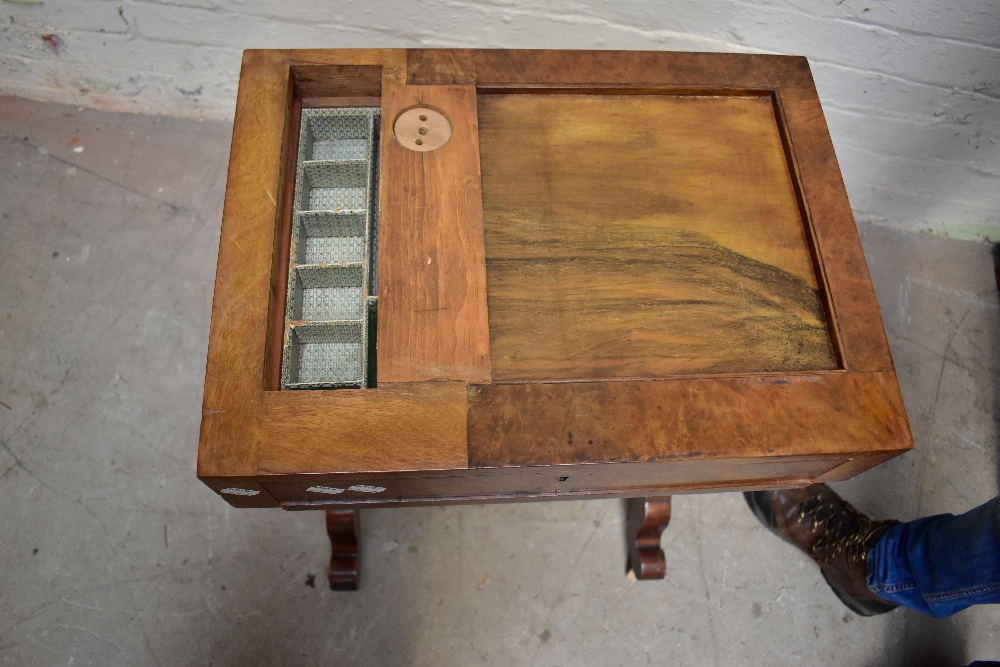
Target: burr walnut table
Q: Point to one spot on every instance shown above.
(461, 276)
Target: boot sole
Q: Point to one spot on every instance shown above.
(860, 607)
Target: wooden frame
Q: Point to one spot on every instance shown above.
(437, 428)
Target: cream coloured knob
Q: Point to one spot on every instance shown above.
(422, 129)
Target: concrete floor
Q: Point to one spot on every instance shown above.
(114, 554)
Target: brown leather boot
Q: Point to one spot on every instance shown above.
(832, 533)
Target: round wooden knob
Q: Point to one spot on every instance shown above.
(422, 129)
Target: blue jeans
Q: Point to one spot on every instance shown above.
(941, 564)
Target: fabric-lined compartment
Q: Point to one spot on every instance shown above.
(332, 185)
(327, 293)
(329, 237)
(328, 354)
(328, 300)
(335, 136)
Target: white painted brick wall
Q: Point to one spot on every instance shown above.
(911, 88)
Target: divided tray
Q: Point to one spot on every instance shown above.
(332, 272)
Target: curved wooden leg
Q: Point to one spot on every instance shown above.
(646, 520)
(341, 526)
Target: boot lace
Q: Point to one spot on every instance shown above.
(841, 530)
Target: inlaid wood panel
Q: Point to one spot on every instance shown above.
(644, 236)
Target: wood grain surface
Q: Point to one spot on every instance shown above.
(607, 69)
(852, 301)
(736, 417)
(234, 375)
(282, 248)
(432, 319)
(858, 327)
(312, 81)
(399, 427)
(644, 236)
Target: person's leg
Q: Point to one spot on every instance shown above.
(942, 564)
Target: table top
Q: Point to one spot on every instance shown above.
(644, 259)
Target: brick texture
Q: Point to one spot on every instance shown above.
(911, 89)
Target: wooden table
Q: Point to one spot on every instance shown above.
(625, 274)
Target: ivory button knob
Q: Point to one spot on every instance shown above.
(422, 129)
